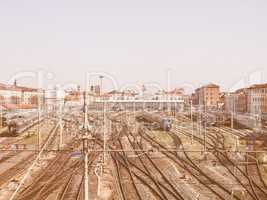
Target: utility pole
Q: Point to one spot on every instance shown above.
(233, 110)
(86, 150)
(143, 96)
(205, 125)
(232, 120)
(134, 108)
(205, 132)
(169, 91)
(199, 123)
(98, 173)
(236, 143)
(61, 123)
(192, 123)
(104, 129)
(86, 179)
(104, 115)
(39, 119)
(199, 112)
(1, 117)
(101, 83)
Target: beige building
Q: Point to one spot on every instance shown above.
(257, 99)
(247, 100)
(14, 94)
(241, 100)
(207, 95)
(122, 95)
(236, 101)
(173, 95)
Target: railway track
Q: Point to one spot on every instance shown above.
(173, 189)
(61, 178)
(72, 189)
(154, 187)
(40, 184)
(127, 191)
(21, 166)
(251, 157)
(6, 144)
(188, 165)
(214, 142)
(120, 163)
(256, 184)
(153, 193)
(253, 189)
(16, 170)
(181, 163)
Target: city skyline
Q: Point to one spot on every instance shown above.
(29, 78)
(135, 42)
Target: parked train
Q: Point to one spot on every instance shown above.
(210, 118)
(19, 122)
(247, 121)
(206, 118)
(163, 123)
(240, 120)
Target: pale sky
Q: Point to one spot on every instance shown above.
(136, 41)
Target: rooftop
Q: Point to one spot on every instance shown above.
(255, 86)
(17, 88)
(18, 106)
(210, 85)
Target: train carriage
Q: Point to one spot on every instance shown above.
(163, 123)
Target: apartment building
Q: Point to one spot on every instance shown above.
(14, 94)
(176, 94)
(241, 100)
(207, 95)
(257, 99)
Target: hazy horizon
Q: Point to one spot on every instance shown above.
(136, 42)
